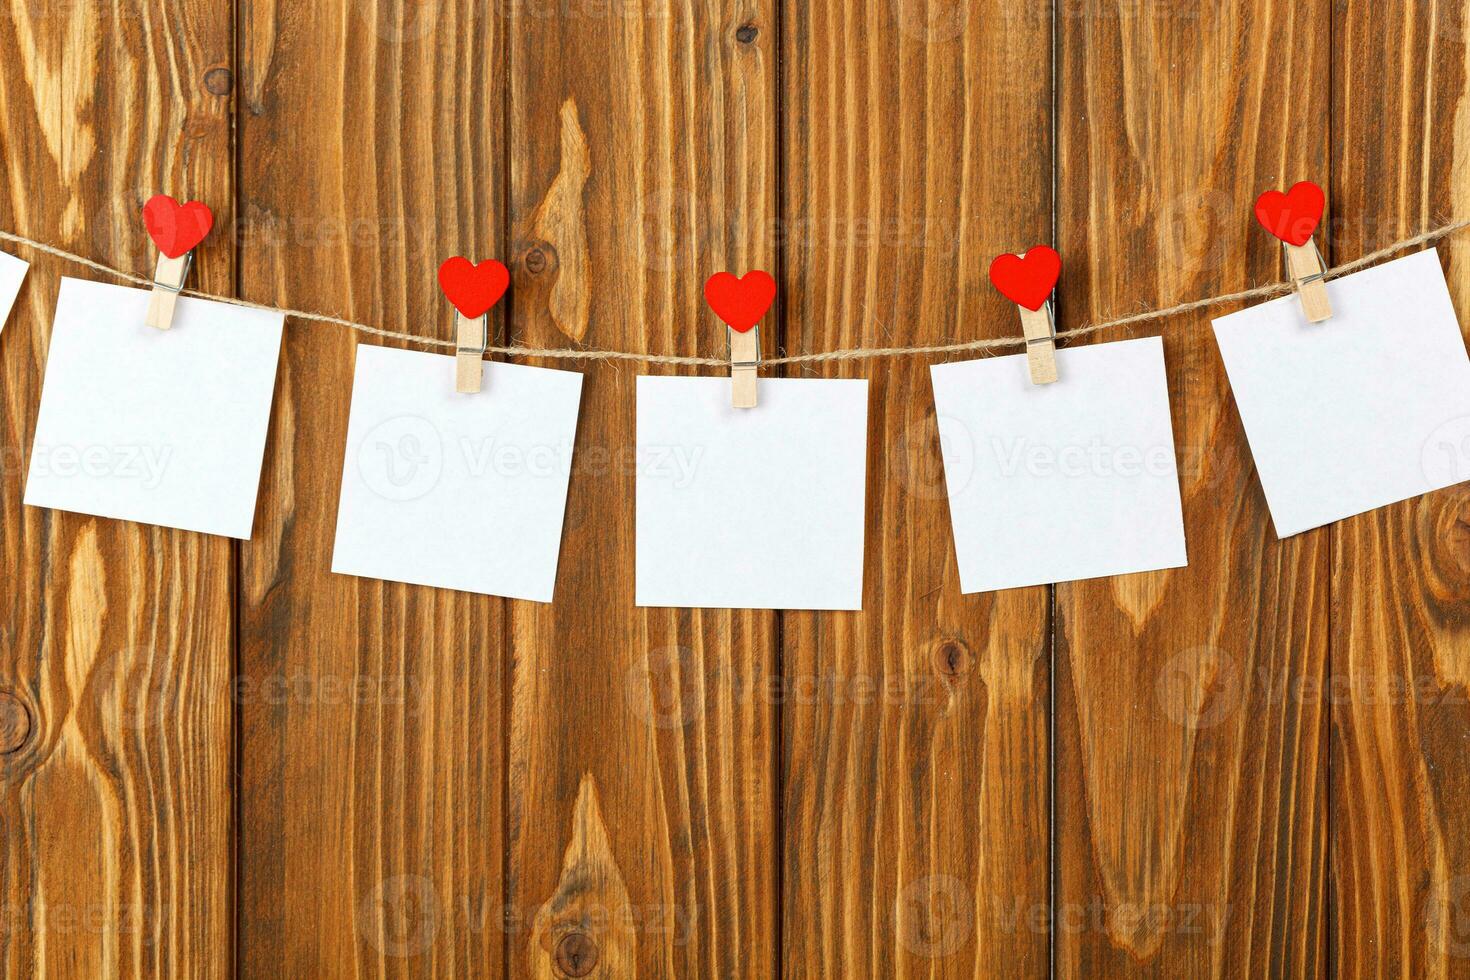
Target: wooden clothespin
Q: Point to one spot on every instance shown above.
(1028, 280)
(1293, 217)
(473, 289)
(176, 229)
(471, 337)
(741, 303)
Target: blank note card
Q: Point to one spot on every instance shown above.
(1064, 481)
(751, 508)
(163, 427)
(12, 274)
(458, 491)
(1363, 410)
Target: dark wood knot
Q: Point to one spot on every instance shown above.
(15, 723)
(538, 257)
(953, 658)
(219, 81)
(576, 954)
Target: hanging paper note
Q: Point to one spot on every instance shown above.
(751, 508)
(457, 491)
(159, 427)
(12, 274)
(1060, 482)
(1364, 410)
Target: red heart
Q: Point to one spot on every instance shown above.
(1027, 279)
(176, 228)
(473, 289)
(740, 303)
(1292, 217)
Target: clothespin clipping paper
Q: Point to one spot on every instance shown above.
(1028, 281)
(1293, 217)
(176, 229)
(741, 303)
(473, 288)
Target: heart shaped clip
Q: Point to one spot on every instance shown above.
(1293, 217)
(473, 288)
(1028, 281)
(176, 229)
(740, 303)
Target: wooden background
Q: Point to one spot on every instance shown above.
(219, 758)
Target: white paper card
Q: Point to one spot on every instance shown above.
(457, 491)
(1064, 481)
(751, 508)
(1366, 409)
(12, 274)
(163, 427)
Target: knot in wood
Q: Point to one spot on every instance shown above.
(953, 658)
(576, 954)
(15, 723)
(536, 261)
(219, 81)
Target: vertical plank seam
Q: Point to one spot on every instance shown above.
(237, 727)
(1050, 633)
(777, 716)
(1328, 911)
(507, 627)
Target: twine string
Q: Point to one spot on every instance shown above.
(845, 354)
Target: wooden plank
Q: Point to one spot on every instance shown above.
(1400, 856)
(915, 747)
(641, 741)
(115, 638)
(372, 770)
(1191, 774)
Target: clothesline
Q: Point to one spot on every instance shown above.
(844, 354)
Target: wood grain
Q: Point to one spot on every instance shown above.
(641, 741)
(115, 639)
(1191, 777)
(1258, 761)
(1400, 857)
(915, 750)
(371, 713)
